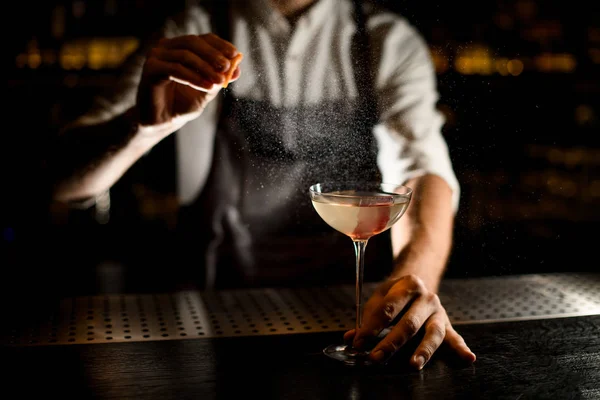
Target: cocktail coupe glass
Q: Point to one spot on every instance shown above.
(359, 210)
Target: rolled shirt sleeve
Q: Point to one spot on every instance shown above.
(409, 131)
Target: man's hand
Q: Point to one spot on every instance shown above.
(180, 77)
(421, 309)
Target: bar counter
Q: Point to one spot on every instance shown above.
(535, 337)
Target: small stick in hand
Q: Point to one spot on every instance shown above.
(235, 61)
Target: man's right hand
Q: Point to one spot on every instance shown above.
(180, 77)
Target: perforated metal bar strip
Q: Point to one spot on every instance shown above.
(190, 314)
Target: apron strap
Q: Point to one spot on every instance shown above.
(363, 70)
(366, 115)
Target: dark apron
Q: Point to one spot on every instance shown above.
(254, 224)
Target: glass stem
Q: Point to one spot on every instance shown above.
(359, 249)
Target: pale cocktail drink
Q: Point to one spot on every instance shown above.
(360, 211)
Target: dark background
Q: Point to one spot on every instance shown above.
(519, 83)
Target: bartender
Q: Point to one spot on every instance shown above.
(326, 90)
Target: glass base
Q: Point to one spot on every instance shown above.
(348, 355)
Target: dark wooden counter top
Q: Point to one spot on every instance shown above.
(539, 359)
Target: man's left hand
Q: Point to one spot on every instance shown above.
(421, 309)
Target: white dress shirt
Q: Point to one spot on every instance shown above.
(305, 64)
